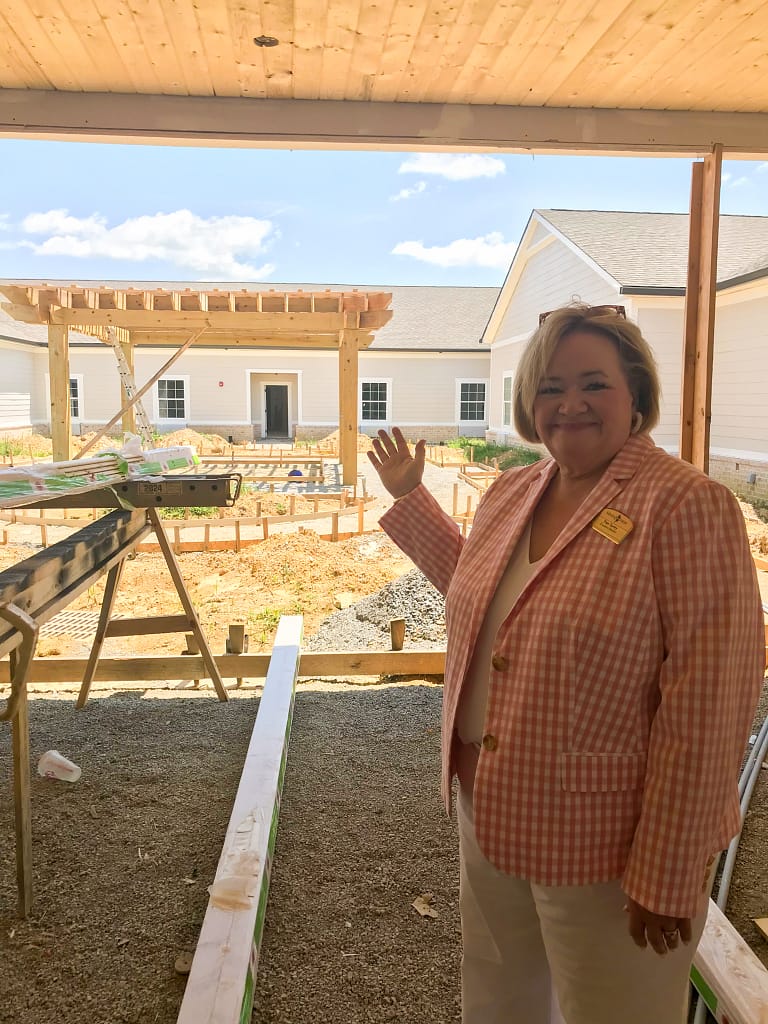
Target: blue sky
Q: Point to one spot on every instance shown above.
(79, 211)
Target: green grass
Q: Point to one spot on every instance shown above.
(487, 451)
(192, 512)
(12, 446)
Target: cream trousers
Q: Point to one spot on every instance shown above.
(528, 948)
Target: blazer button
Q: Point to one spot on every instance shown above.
(499, 662)
(490, 742)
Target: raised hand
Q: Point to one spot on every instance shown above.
(399, 471)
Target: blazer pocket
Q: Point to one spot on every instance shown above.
(602, 773)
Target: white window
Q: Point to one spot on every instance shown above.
(76, 397)
(471, 401)
(506, 414)
(375, 396)
(172, 398)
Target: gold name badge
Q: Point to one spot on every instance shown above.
(613, 525)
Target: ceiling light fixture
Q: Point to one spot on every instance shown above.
(266, 41)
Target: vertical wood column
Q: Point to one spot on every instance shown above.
(698, 345)
(348, 407)
(129, 414)
(58, 370)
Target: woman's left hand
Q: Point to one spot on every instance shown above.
(660, 932)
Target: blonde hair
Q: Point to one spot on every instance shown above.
(634, 353)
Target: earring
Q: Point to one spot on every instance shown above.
(637, 422)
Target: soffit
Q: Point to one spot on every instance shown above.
(692, 55)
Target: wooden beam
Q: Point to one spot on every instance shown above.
(348, 385)
(698, 348)
(46, 582)
(728, 975)
(221, 983)
(344, 124)
(246, 339)
(58, 375)
(23, 313)
(336, 664)
(188, 319)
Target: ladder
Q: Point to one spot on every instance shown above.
(129, 386)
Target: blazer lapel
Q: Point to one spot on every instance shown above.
(623, 467)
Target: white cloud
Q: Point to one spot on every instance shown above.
(725, 178)
(406, 193)
(762, 168)
(739, 182)
(210, 246)
(454, 166)
(4, 225)
(487, 251)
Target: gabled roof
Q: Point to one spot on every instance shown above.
(648, 252)
(425, 318)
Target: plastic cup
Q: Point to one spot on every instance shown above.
(53, 765)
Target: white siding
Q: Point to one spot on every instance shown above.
(16, 384)
(663, 330)
(740, 378)
(552, 278)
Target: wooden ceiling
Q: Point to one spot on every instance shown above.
(703, 57)
(679, 54)
(229, 318)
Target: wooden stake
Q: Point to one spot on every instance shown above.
(397, 634)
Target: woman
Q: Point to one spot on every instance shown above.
(604, 659)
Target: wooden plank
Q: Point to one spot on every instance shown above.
(728, 975)
(762, 925)
(190, 319)
(46, 582)
(148, 625)
(58, 372)
(348, 390)
(222, 980)
(233, 666)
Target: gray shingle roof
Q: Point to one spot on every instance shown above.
(425, 318)
(36, 333)
(650, 250)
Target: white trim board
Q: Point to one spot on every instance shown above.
(221, 983)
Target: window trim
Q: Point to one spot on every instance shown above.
(184, 378)
(374, 423)
(457, 410)
(79, 380)
(508, 375)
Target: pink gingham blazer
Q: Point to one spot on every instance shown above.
(627, 677)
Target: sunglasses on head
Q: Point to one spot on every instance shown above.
(592, 311)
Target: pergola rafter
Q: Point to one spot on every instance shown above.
(344, 321)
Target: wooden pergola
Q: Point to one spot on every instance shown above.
(344, 321)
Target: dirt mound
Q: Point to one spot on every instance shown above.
(200, 442)
(364, 443)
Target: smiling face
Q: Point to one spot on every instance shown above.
(583, 408)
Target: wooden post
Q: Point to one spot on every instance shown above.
(348, 407)
(360, 515)
(397, 633)
(129, 412)
(58, 370)
(455, 499)
(698, 345)
(334, 526)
